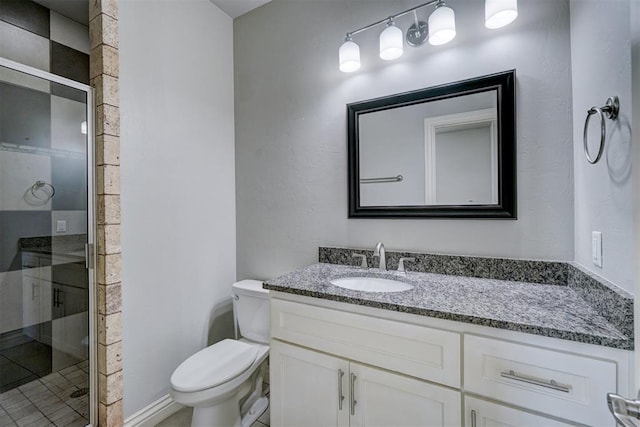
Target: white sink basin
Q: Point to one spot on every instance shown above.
(371, 284)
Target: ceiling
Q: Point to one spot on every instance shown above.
(235, 8)
(78, 10)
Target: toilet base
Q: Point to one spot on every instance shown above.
(225, 414)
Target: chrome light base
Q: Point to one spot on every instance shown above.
(417, 34)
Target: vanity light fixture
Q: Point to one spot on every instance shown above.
(440, 29)
(498, 13)
(349, 54)
(442, 25)
(391, 42)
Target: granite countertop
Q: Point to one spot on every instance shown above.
(550, 310)
(71, 246)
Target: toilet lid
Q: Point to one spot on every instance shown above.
(213, 365)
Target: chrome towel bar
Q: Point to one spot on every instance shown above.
(397, 178)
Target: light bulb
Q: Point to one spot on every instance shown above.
(349, 56)
(391, 41)
(498, 13)
(442, 25)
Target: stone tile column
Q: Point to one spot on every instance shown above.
(104, 66)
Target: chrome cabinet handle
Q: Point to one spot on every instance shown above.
(473, 418)
(353, 394)
(363, 264)
(552, 384)
(340, 394)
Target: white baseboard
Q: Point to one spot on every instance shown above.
(154, 413)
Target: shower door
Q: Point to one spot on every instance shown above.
(46, 236)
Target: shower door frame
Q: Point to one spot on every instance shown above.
(90, 248)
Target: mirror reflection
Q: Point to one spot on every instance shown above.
(446, 153)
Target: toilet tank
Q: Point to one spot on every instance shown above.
(251, 303)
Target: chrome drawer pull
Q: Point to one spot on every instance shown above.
(552, 384)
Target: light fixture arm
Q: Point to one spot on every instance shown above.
(392, 17)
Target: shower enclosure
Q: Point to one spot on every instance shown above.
(46, 249)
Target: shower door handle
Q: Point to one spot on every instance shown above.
(88, 255)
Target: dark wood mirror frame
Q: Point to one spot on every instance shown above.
(504, 84)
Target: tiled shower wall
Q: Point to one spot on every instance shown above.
(44, 118)
(33, 35)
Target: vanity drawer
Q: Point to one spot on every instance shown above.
(418, 351)
(566, 385)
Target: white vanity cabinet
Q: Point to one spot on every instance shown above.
(383, 398)
(345, 388)
(481, 413)
(309, 388)
(566, 385)
(400, 369)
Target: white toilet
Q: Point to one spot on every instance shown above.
(222, 382)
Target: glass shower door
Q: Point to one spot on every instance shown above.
(45, 286)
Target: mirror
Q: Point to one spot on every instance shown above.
(446, 152)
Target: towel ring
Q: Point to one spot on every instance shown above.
(43, 187)
(611, 109)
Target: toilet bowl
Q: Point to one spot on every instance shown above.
(223, 382)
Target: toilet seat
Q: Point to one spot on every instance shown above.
(213, 366)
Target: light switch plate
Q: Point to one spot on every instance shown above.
(61, 226)
(596, 248)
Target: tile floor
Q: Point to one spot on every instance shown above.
(47, 402)
(22, 360)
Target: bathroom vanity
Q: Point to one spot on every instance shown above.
(450, 351)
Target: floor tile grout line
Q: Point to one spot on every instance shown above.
(63, 400)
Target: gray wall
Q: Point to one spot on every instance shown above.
(178, 210)
(291, 161)
(603, 192)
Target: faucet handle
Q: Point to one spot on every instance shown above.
(364, 259)
(401, 263)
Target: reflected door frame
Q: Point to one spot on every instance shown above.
(432, 125)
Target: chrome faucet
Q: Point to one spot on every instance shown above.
(379, 252)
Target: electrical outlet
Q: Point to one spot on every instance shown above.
(596, 248)
(61, 226)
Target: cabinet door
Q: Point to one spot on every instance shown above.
(386, 399)
(307, 388)
(480, 413)
(36, 295)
